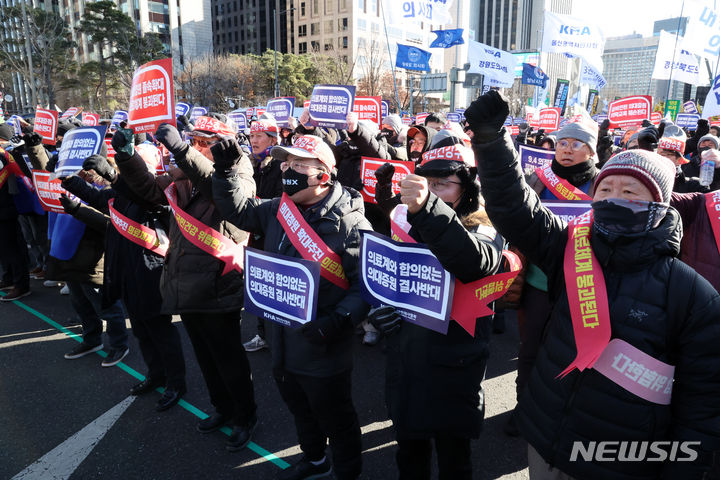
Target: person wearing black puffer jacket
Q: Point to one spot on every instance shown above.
(658, 313)
(192, 283)
(433, 381)
(312, 364)
(132, 272)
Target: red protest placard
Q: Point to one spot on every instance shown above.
(368, 108)
(368, 167)
(420, 118)
(70, 112)
(46, 122)
(629, 110)
(110, 150)
(407, 120)
(90, 119)
(48, 191)
(514, 130)
(655, 118)
(151, 97)
(549, 119)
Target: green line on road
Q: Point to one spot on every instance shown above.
(187, 406)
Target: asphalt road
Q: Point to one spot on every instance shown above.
(74, 419)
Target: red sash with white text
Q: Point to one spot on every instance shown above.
(206, 238)
(587, 295)
(139, 234)
(470, 300)
(9, 168)
(559, 187)
(712, 205)
(309, 243)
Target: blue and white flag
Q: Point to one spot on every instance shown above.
(711, 107)
(497, 65)
(672, 61)
(447, 38)
(402, 12)
(701, 33)
(412, 58)
(591, 76)
(532, 75)
(573, 35)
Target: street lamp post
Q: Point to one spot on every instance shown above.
(275, 42)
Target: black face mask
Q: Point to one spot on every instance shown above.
(293, 182)
(617, 217)
(415, 155)
(702, 149)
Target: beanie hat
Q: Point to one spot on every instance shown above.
(654, 171)
(394, 121)
(445, 138)
(585, 131)
(673, 139)
(6, 131)
(712, 138)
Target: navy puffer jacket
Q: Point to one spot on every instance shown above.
(657, 304)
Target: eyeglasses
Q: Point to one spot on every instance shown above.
(576, 145)
(300, 167)
(203, 143)
(441, 184)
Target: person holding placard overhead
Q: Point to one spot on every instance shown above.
(433, 381)
(312, 364)
(629, 355)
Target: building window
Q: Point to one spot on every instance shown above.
(329, 26)
(302, 31)
(329, 6)
(373, 8)
(315, 46)
(314, 29)
(375, 27)
(328, 47)
(342, 5)
(302, 9)
(344, 42)
(361, 5)
(315, 10)
(342, 24)
(302, 47)
(361, 42)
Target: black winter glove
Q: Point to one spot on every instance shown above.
(70, 206)
(385, 319)
(646, 123)
(605, 125)
(648, 138)
(703, 128)
(325, 329)
(385, 173)
(170, 137)
(101, 167)
(486, 116)
(32, 139)
(73, 184)
(226, 155)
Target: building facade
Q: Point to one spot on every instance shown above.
(248, 26)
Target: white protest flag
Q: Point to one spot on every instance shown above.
(711, 107)
(401, 12)
(702, 34)
(682, 64)
(591, 76)
(498, 66)
(573, 35)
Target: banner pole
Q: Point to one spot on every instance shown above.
(392, 64)
(672, 64)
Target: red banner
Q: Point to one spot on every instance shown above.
(9, 167)
(560, 187)
(712, 206)
(206, 238)
(309, 244)
(46, 122)
(48, 191)
(420, 118)
(587, 295)
(367, 173)
(368, 108)
(549, 119)
(90, 119)
(629, 110)
(70, 112)
(137, 233)
(151, 97)
(110, 150)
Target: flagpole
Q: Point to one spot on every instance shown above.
(672, 64)
(392, 64)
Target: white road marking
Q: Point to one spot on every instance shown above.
(63, 460)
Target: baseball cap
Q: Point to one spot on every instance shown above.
(307, 146)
